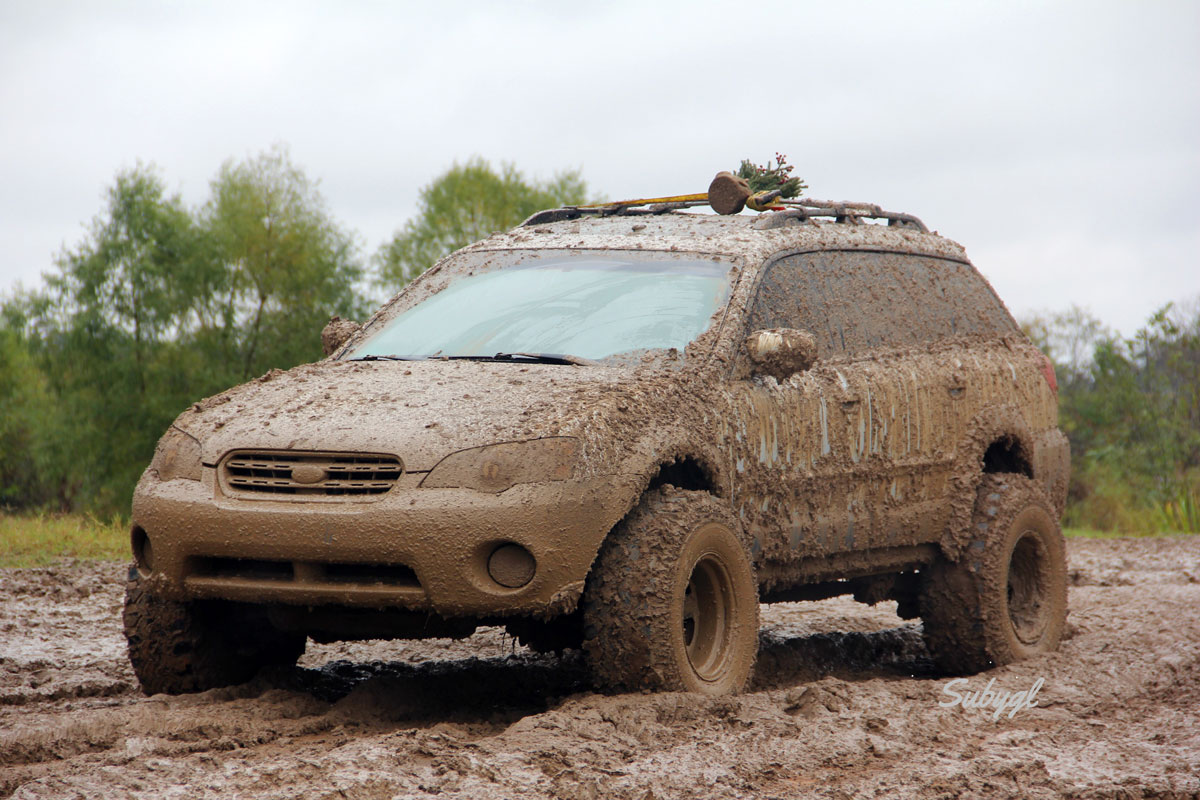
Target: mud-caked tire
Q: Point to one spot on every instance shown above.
(176, 648)
(1005, 598)
(672, 601)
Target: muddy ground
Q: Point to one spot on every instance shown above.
(844, 704)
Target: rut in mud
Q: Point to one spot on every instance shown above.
(844, 703)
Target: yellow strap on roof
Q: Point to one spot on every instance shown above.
(702, 197)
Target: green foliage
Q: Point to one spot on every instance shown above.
(157, 307)
(26, 413)
(1131, 408)
(466, 203)
(1069, 337)
(103, 333)
(1182, 512)
(284, 266)
(160, 304)
(770, 176)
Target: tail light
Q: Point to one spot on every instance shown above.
(1048, 373)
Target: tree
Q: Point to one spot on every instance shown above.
(1070, 338)
(102, 333)
(136, 276)
(1131, 408)
(156, 307)
(466, 203)
(27, 466)
(160, 304)
(287, 265)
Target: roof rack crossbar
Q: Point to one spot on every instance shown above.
(613, 210)
(852, 213)
(799, 209)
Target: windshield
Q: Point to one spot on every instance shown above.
(588, 305)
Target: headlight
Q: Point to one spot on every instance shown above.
(177, 456)
(497, 467)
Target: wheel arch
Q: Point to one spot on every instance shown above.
(997, 440)
(686, 470)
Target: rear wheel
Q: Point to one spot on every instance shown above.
(1006, 597)
(672, 601)
(190, 647)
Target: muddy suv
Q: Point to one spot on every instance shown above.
(622, 431)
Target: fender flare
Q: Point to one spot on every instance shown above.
(996, 422)
(632, 485)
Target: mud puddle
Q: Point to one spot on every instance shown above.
(844, 704)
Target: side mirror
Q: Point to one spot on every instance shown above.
(336, 332)
(781, 352)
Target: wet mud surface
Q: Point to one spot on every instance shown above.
(844, 703)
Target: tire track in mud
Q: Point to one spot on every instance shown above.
(844, 703)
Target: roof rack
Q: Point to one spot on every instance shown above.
(802, 209)
(794, 212)
(612, 210)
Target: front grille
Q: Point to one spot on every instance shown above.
(308, 474)
(386, 574)
(245, 568)
(254, 569)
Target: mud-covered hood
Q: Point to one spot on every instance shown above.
(417, 410)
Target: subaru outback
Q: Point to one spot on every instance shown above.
(622, 429)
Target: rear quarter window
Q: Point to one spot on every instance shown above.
(854, 301)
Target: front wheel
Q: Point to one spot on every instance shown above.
(672, 601)
(179, 647)
(1005, 598)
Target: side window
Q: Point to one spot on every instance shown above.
(957, 301)
(804, 292)
(854, 301)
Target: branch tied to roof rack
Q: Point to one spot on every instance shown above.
(756, 187)
(768, 187)
(752, 186)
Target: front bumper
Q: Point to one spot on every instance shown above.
(418, 549)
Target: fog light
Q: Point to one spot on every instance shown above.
(511, 565)
(143, 551)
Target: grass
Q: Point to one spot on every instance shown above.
(1090, 533)
(37, 540)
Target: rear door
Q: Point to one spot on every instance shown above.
(856, 452)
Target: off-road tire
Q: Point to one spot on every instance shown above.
(191, 647)
(672, 602)
(1005, 598)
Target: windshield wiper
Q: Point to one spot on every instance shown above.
(537, 358)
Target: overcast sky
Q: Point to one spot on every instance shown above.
(1059, 142)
